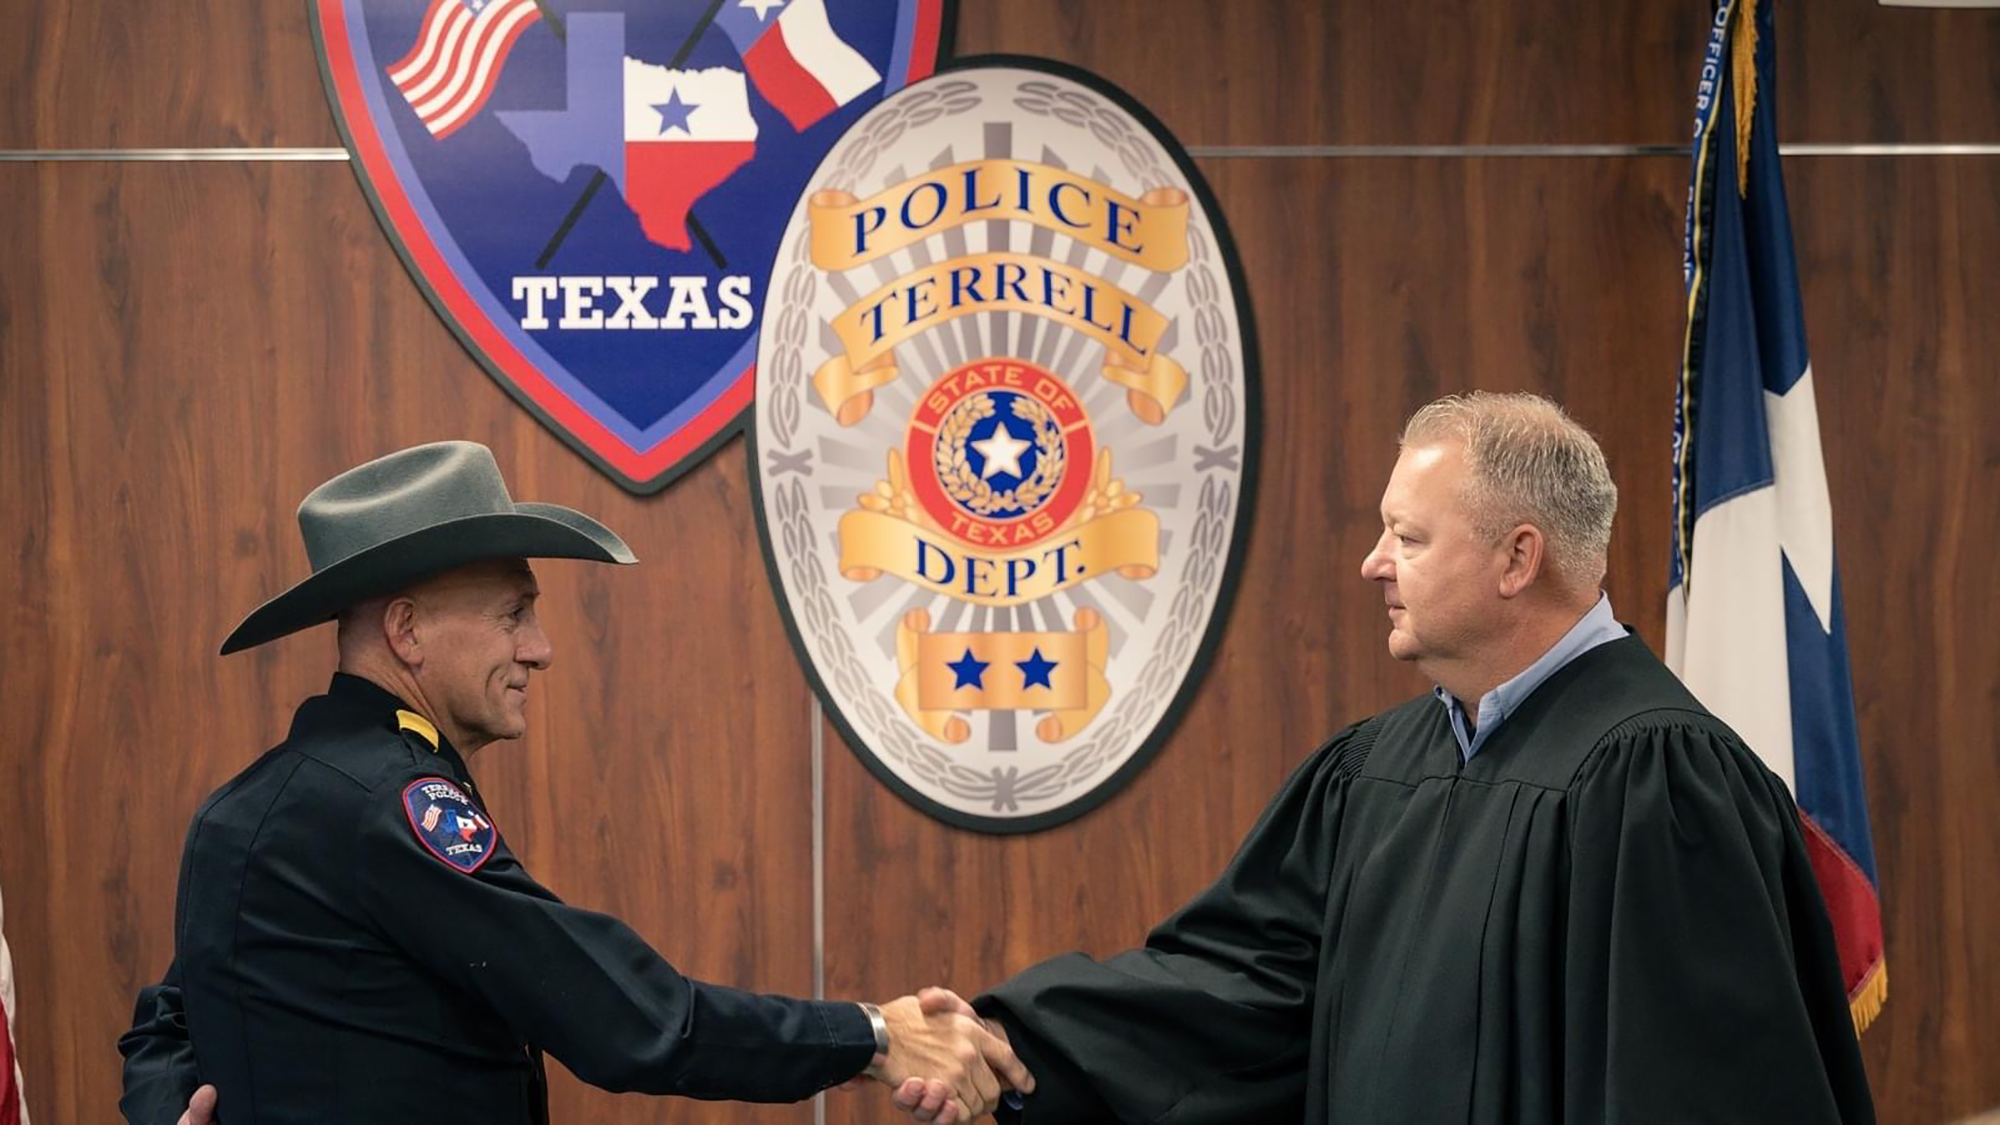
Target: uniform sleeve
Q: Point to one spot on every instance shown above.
(160, 1072)
(1703, 981)
(1210, 1021)
(587, 989)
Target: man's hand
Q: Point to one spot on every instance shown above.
(929, 1101)
(201, 1108)
(943, 1053)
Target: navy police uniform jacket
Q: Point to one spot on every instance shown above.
(354, 942)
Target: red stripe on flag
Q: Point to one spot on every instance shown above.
(492, 78)
(663, 179)
(1851, 903)
(785, 83)
(465, 52)
(458, 22)
(424, 31)
(10, 1093)
(435, 78)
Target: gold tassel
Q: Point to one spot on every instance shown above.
(1867, 1000)
(1743, 66)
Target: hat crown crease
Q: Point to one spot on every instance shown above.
(392, 496)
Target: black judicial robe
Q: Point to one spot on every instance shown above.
(1607, 916)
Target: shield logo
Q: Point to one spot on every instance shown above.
(1004, 438)
(591, 194)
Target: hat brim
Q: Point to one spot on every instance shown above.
(531, 531)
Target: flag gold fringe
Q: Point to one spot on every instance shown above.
(1743, 65)
(1865, 1003)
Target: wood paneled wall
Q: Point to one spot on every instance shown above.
(186, 349)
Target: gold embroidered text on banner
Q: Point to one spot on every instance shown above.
(875, 543)
(1150, 231)
(1129, 329)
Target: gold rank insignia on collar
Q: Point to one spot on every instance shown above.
(410, 720)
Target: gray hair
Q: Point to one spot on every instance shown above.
(1528, 462)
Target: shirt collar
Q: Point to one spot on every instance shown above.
(1597, 627)
(358, 691)
(363, 692)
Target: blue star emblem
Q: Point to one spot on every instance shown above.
(1035, 670)
(674, 113)
(970, 672)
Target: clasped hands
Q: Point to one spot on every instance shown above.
(945, 1065)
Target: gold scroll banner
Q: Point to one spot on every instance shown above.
(1073, 664)
(1000, 281)
(1150, 391)
(875, 543)
(1000, 680)
(1150, 231)
(849, 392)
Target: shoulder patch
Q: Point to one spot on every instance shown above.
(448, 824)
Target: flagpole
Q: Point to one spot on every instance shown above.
(597, 181)
(554, 21)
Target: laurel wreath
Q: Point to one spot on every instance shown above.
(954, 467)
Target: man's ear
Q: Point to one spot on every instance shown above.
(399, 629)
(1526, 551)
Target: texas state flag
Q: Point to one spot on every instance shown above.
(799, 63)
(1754, 619)
(685, 132)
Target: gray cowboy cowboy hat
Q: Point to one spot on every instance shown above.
(379, 527)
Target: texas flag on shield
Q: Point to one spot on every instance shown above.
(799, 63)
(685, 132)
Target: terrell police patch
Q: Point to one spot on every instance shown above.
(590, 194)
(1003, 441)
(448, 824)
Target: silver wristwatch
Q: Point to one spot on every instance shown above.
(881, 1028)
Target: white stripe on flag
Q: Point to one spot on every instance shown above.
(498, 41)
(475, 44)
(455, 30)
(434, 25)
(1727, 641)
(1805, 514)
(824, 55)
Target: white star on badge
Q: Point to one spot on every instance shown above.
(1002, 452)
(761, 7)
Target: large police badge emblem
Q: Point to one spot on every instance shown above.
(591, 193)
(1004, 438)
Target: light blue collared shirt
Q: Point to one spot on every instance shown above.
(1599, 626)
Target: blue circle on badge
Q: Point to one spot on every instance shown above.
(1007, 450)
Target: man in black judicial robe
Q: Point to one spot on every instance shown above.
(1556, 890)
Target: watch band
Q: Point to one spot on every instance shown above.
(880, 1027)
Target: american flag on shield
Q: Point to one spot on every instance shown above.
(456, 61)
(1754, 620)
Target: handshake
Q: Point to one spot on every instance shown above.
(945, 1065)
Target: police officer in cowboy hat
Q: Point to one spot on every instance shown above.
(355, 942)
